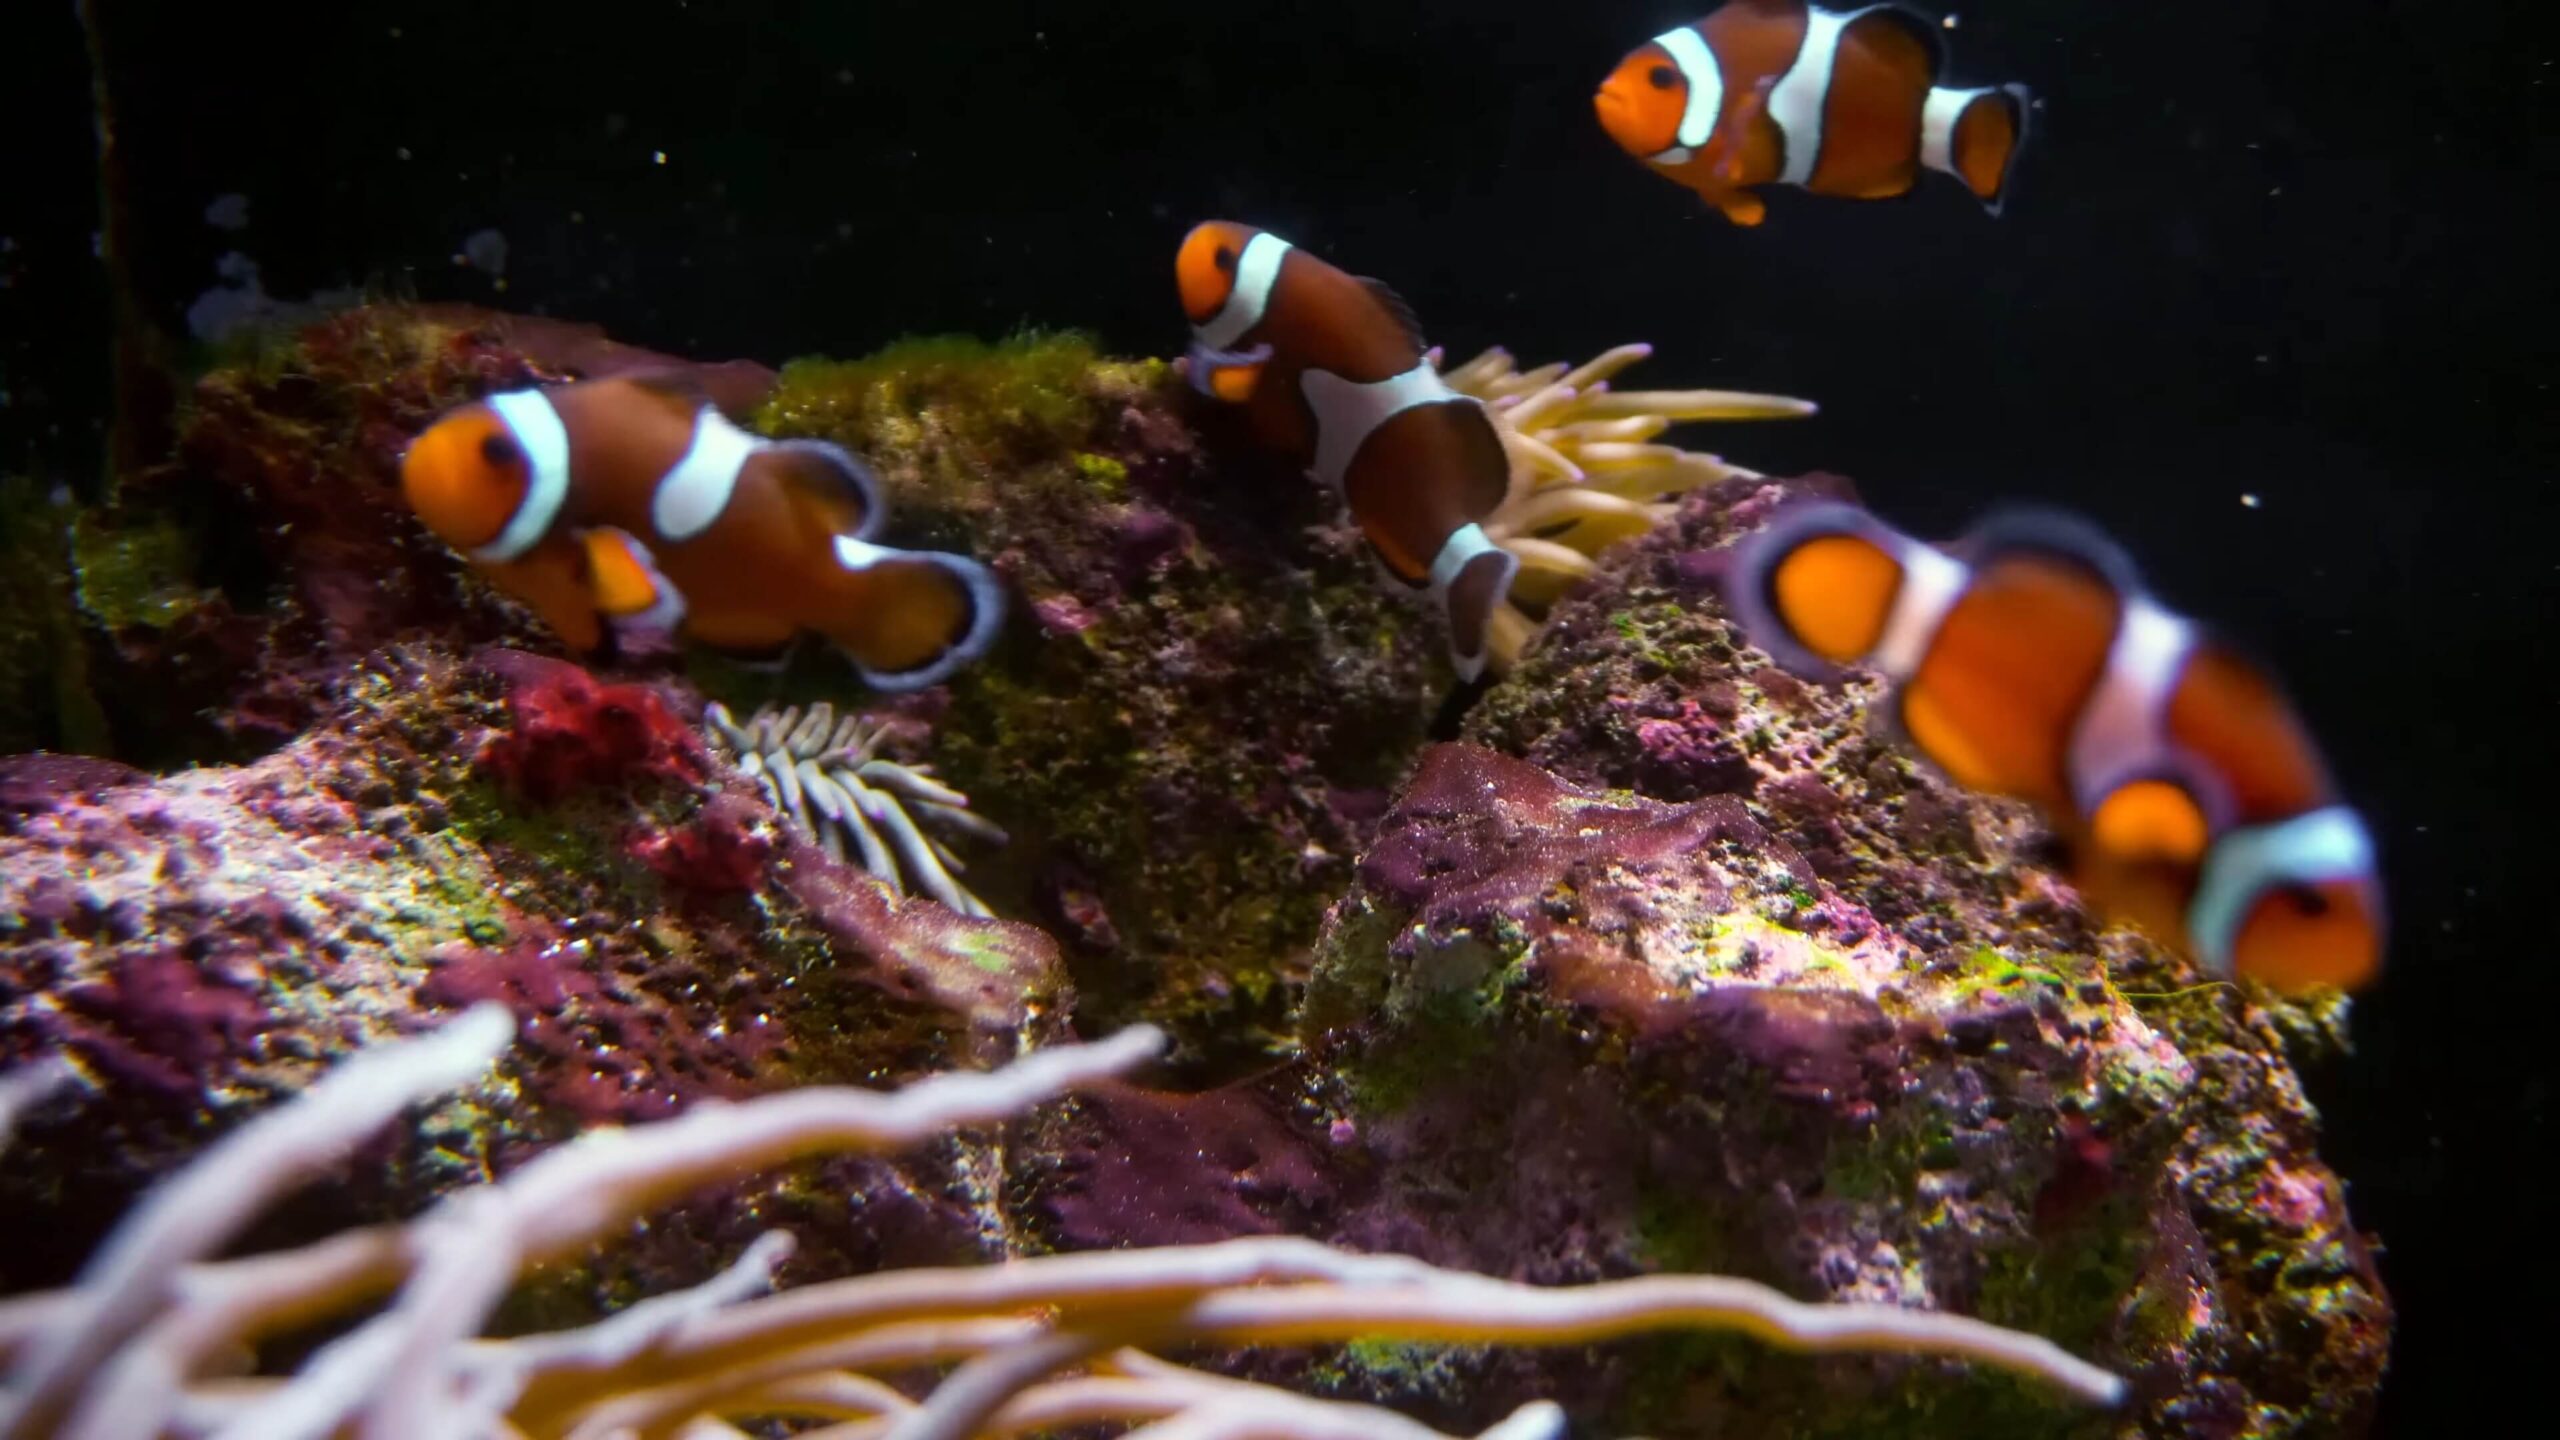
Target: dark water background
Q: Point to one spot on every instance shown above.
(2266, 247)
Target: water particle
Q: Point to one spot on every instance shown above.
(228, 212)
(2250, 499)
(486, 250)
(658, 155)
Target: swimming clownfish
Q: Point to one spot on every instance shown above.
(1331, 371)
(635, 503)
(2036, 666)
(1839, 102)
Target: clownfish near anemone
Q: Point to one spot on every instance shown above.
(1845, 103)
(624, 504)
(1331, 370)
(2027, 660)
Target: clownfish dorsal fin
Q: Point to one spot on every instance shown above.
(2058, 533)
(1398, 308)
(828, 476)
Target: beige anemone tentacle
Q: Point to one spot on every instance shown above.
(1587, 467)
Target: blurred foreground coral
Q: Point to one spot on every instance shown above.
(134, 1347)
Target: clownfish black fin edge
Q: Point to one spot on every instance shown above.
(2050, 530)
(850, 475)
(1398, 307)
(2022, 104)
(1754, 568)
(986, 615)
(1927, 29)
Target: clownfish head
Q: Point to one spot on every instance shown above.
(1206, 267)
(1643, 101)
(482, 483)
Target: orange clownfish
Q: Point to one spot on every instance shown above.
(2037, 667)
(634, 503)
(1331, 371)
(1839, 102)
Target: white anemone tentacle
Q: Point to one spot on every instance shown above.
(826, 774)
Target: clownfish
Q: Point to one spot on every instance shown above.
(1839, 102)
(1332, 371)
(2027, 660)
(634, 503)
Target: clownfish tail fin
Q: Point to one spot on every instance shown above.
(912, 618)
(1470, 578)
(827, 474)
(1817, 586)
(1975, 135)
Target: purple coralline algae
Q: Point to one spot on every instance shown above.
(1670, 962)
(504, 828)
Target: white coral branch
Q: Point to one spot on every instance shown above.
(699, 1363)
(827, 775)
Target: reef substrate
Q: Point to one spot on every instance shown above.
(1667, 962)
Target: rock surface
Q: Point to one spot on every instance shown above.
(1671, 962)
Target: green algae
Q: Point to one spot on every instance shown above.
(1021, 396)
(1181, 692)
(45, 696)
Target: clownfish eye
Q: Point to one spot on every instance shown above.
(1226, 259)
(1663, 77)
(499, 450)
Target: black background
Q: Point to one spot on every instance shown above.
(2265, 247)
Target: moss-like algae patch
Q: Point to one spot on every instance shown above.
(1197, 702)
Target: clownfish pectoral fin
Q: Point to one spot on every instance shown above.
(630, 590)
(1724, 147)
(1470, 578)
(1740, 206)
(845, 491)
(913, 617)
(1398, 308)
(1228, 375)
(552, 580)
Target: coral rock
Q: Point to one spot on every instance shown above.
(460, 830)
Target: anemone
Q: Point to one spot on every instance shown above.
(1586, 468)
(829, 777)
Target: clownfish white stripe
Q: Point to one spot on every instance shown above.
(2318, 845)
(1932, 582)
(1705, 74)
(1464, 544)
(1938, 117)
(1795, 103)
(1256, 271)
(1347, 412)
(693, 494)
(2118, 734)
(528, 415)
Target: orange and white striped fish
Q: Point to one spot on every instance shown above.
(1331, 371)
(2028, 661)
(628, 503)
(1840, 102)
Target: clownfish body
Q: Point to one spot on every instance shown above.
(2037, 667)
(1778, 92)
(626, 503)
(1331, 370)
